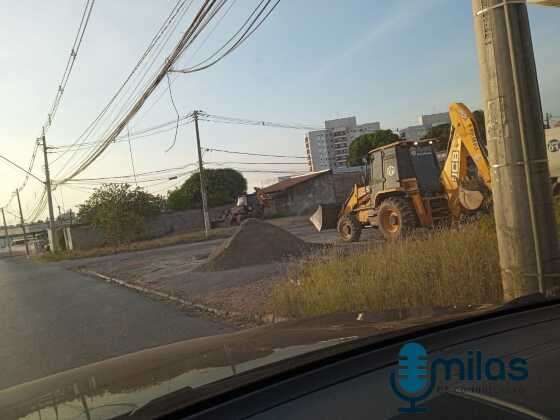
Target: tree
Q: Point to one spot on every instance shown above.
(223, 186)
(120, 211)
(360, 147)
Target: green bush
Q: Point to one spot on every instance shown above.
(119, 211)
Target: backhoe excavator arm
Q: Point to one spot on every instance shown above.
(463, 143)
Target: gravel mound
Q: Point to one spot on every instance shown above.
(255, 242)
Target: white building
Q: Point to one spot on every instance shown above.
(416, 132)
(328, 148)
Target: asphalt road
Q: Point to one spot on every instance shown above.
(52, 319)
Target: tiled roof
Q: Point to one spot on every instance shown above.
(291, 182)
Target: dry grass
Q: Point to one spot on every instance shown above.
(190, 237)
(450, 267)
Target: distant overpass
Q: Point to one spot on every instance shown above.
(15, 232)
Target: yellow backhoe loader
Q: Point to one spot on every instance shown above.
(406, 188)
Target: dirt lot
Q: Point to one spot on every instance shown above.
(243, 292)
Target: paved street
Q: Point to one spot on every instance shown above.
(52, 319)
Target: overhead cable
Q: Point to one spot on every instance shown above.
(172, 58)
(252, 154)
(153, 43)
(70, 63)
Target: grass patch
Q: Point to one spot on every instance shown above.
(190, 237)
(451, 267)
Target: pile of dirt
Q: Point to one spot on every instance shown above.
(255, 242)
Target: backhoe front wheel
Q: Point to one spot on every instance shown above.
(349, 228)
(396, 218)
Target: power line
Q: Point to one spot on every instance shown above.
(131, 156)
(135, 135)
(186, 119)
(208, 10)
(176, 111)
(11, 162)
(264, 171)
(160, 32)
(255, 163)
(230, 120)
(253, 154)
(71, 61)
(159, 171)
(86, 14)
(251, 24)
(193, 30)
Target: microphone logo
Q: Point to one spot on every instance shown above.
(412, 383)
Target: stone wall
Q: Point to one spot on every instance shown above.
(303, 199)
(83, 237)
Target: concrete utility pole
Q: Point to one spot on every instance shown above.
(6, 234)
(52, 223)
(523, 207)
(203, 192)
(22, 224)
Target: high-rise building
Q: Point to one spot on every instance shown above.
(328, 148)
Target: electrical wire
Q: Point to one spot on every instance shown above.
(254, 163)
(70, 63)
(84, 21)
(159, 171)
(89, 129)
(208, 10)
(231, 120)
(174, 76)
(147, 132)
(126, 103)
(11, 162)
(172, 58)
(253, 154)
(253, 25)
(131, 156)
(176, 111)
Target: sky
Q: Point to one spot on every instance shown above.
(380, 60)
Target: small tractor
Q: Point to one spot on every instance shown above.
(406, 188)
(247, 206)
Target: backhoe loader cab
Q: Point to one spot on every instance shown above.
(403, 191)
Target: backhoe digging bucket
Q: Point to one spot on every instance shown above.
(325, 217)
(470, 199)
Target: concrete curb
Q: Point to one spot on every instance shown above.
(267, 319)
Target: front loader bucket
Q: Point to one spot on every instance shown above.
(325, 217)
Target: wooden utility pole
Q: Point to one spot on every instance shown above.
(52, 223)
(22, 224)
(521, 188)
(203, 191)
(6, 234)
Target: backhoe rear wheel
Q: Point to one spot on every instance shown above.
(396, 218)
(349, 228)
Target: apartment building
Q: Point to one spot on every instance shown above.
(328, 148)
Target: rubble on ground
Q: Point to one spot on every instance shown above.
(255, 242)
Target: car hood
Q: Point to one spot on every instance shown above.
(122, 384)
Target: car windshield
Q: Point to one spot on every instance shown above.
(195, 189)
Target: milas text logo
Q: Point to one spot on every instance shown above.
(416, 377)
